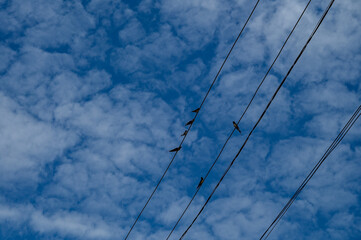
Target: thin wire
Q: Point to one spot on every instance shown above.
(334, 144)
(278, 216)
(229, 53)
(260, 118)
(288, 206)
(244, 112)
(204, 99)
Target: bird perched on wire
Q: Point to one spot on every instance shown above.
(185, 133)
(200, 182)
(190, 122)
(236, 126)
(176, 149)
(196, 110)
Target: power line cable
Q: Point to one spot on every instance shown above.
(334, 144)
(279, 216)
(190, 125)
(260, 118)
(283, 213)
(244, 112)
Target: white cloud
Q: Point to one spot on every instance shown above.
(132, 32)
(5, 58)
(93, 95)
(27, 145)
(72, 224)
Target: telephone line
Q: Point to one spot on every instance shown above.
(334, 144)
(260, 118)
(190, 126)
(244, 112)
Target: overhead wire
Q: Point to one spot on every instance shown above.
(333, 145)
(260, 118)
(190, 126)
(244, 112)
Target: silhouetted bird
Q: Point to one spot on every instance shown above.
(200, 182)
(190, 122)
(185, 133)
(175, 149)
(197, 110)
(236, 126)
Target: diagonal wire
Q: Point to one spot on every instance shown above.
(260, 118)
(189, 128)
(244, 112)
(334, 144)
(284, 212)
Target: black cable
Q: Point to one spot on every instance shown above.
(244, 112)
(334, 144)
(303, 183)
(260, 118)
(190, 126)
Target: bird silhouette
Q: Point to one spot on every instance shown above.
(190, 122)
(200, 182)
(196, 110)
(236, 126)
(185, 133)
(175, 149)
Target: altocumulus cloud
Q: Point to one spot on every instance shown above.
(93, 94)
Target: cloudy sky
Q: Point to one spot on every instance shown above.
(94, 93)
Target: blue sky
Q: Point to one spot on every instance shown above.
(94, 93)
